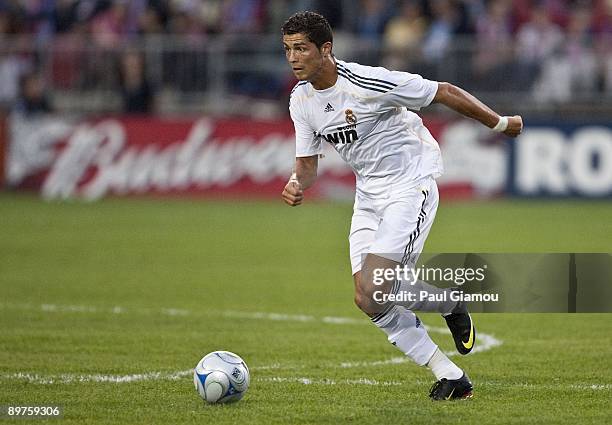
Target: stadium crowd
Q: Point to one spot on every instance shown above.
(556, 49)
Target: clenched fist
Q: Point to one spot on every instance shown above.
(293, 194)
(515, 126)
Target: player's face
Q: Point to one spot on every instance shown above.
(305, 58)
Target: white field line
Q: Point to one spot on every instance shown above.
(59, 308)
(485, 341)
(174, 376)
(69, 378)
(373, 382)
(310, 381)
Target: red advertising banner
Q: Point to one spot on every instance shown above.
(240, 158)
(3, 143)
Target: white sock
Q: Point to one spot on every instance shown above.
(405, 331)
(443, 367)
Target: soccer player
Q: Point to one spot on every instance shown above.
(364, 113)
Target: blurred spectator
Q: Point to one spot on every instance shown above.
(136, 91)
(33, 97)
(493, 45)
(12, 67)
(68, 60)
(332, 10)
(371, 21)
(440, 31)
(109, 27)
(64, 15)
(403, 36)
(406, 30)
(185, 64)
(12, 64)
(209, 13)
(8, 24)
(537, 40)
(149, 22)
(521, 12)
(579, 52)
(467, 14)
(37, 16)
(473, 10)
(13, 17)
(185, 22)
(135, 12)
(603, 44)
(572, 72)
(558, 10)
(242, 16)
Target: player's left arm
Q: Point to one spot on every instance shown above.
(466, 104)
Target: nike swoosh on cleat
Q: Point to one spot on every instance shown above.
(451, 394)
(470, 342)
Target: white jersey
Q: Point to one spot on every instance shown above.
(365, 117)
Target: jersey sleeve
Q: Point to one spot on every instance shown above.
(409, 90)
(306, 144)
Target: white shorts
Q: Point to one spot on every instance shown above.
(395, 225)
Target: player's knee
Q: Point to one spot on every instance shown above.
(366, 288)
(365, 302)
(359, 301)
(365, 295)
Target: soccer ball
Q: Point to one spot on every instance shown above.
(221, 377)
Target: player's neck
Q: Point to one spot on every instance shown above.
(327, 76)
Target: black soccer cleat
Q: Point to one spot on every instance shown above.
(461, 326)
(453, 389)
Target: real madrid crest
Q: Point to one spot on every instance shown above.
(350, 117)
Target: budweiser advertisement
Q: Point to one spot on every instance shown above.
(121, 156)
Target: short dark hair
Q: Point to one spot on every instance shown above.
(311, 24)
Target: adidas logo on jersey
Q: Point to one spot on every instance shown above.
(329, 108)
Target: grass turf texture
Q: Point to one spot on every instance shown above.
(208, 258)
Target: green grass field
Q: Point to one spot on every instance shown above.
(106, 307)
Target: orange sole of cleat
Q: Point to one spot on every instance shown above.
(468, 395)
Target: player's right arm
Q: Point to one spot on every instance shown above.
(307, 151)
(302, 178)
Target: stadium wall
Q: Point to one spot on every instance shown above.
(203, 156)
